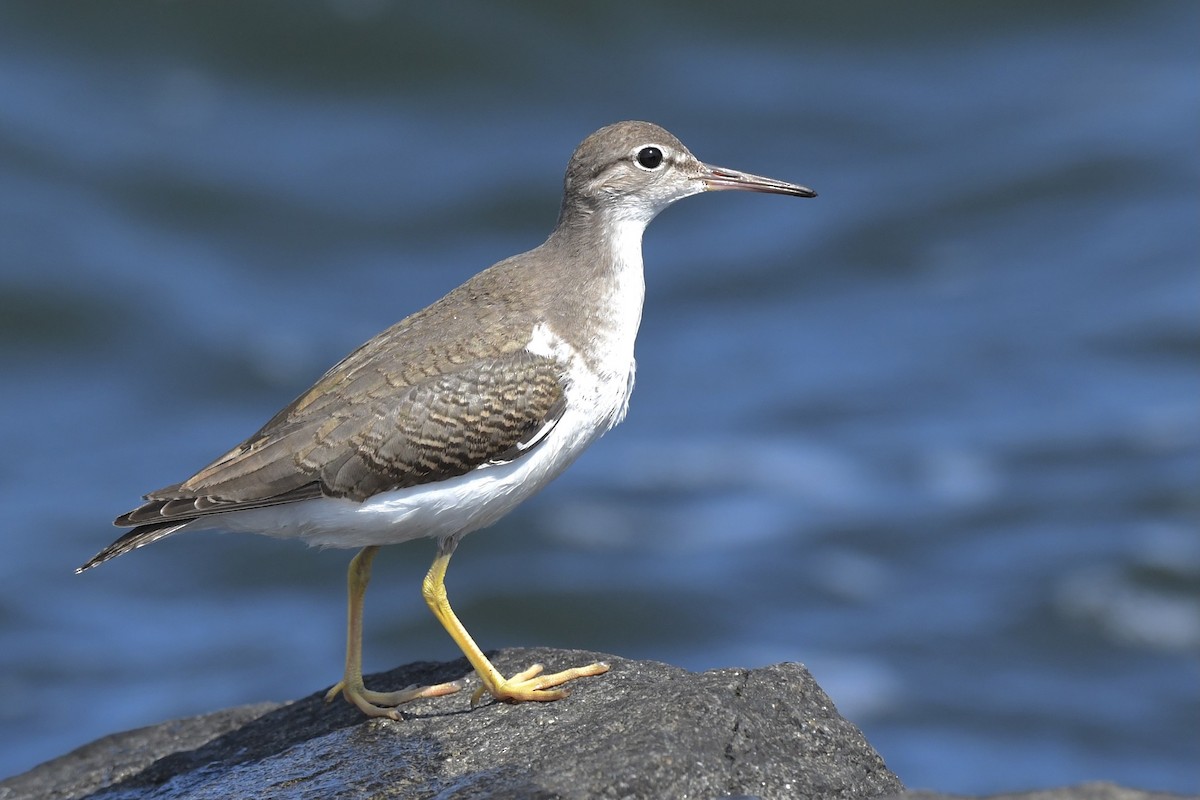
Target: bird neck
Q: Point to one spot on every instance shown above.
(599, 285)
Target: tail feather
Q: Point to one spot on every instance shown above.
(138, 537)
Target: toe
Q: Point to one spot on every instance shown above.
(530, 685)
(383, 704)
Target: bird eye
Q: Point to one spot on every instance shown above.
(649, 157)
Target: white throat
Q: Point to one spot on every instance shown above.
(629, 284)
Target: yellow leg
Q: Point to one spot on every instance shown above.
(529, 684)
(373, 704)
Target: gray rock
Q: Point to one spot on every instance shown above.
(644, 730)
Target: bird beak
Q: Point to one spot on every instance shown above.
(717, 178)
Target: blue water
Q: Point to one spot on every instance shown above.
(935, 434)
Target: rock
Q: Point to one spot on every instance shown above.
(644, 730)
(108, 760)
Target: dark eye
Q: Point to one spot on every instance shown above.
(649, 157)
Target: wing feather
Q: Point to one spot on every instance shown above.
(364, 437)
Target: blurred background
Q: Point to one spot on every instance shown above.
(935, 434)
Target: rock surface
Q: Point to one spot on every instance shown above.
(644, 730)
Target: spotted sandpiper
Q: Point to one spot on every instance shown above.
(447, 420)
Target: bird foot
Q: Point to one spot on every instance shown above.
(532, 685)
(383, 704)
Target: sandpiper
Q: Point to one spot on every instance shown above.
(447, 420)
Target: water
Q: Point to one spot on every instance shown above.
(935, 433)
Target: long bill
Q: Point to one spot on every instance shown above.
(718, 178)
